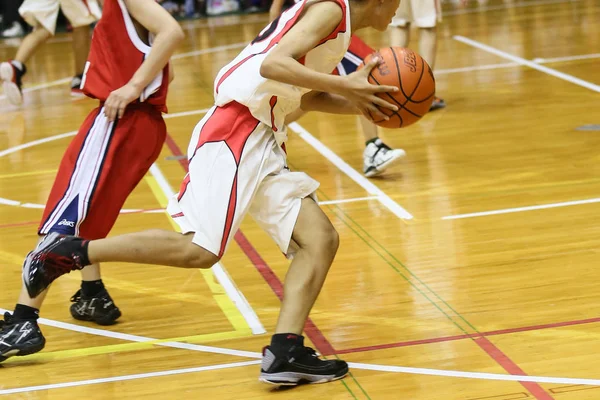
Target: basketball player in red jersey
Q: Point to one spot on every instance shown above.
(237, 166)
(127, 71)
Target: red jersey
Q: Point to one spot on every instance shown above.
(115, 55)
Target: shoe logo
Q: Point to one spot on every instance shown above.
(66, 222)
(25, 330)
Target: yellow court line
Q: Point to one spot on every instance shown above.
(19, 174)
(226, 305)
(126, 347)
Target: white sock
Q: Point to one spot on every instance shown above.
(18, 64)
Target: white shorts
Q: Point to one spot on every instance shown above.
(422, 13)
(45, 12)
(236, 167)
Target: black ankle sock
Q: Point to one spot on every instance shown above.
(371, 141)
(281, 342)
(23, 312)
(91, 288)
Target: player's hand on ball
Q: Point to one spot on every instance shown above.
(117, 101)
(363, 94)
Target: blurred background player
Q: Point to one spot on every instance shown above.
(377, 156)
(42, 16)
(425, 14)
(113, 150)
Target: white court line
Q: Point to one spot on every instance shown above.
(127, 377)
(476, 375)
(363, 366)
(519, 209)
(505, 7)
(142, 339)
(186, 113)
(218, 270)
(530, 64)
(209, 50)
(351, 172)
(567, 58)
(35, 143)
(341, 201)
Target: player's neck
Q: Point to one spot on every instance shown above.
(359, 15)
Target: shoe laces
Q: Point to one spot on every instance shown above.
(299, 352)
(76, 297)
(7, 320)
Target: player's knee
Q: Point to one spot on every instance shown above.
(327, 241)
(197, 257)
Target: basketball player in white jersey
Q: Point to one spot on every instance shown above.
(237, 166)
(377, 156)
(42, 16)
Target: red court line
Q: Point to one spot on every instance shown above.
(512, 368)
(467, 336)
(310, 329)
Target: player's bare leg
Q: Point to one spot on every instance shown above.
(81, 49)
(286, 361)
(428, 50)
(12, 72)
(400, 35)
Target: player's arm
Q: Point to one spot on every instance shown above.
(319, 20)
(328, 103)
(167, 35)
(275, 9)
(171, 72)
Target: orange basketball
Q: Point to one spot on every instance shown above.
(408, 71)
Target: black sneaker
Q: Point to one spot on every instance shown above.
(55, 256)
(19, 337)
(437, 104)
(299, 365)
(11, 80)
(99, 308)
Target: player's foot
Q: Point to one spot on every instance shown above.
(11, 75)
(56, 255)
(299, 364)
(76, 91)
(437, 104)
(19, 337)
(378, 157)
(99, 308)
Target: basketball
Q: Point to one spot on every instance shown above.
(408, 71)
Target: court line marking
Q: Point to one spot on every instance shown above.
(530, 64)
(362, 366)
(236, 299)
(357, 177)
(520, 209)
(351, 200)
(142, 339)
(127, 377)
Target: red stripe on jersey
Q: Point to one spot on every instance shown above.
(273, 42)
(341, 28)
(233, 124)
(184, 185)
(272, 103)
(359, 48)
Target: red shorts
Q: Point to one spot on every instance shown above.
(101, 167)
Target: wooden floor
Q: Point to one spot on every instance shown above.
(465, 268)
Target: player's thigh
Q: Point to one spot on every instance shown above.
(40, 13)
(80, 12)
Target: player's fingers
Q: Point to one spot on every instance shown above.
(385, 104)
(370, 65)
(109, 111)
(122, 109)
(375, 113)
(385, 88)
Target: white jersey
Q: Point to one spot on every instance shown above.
(270, 101)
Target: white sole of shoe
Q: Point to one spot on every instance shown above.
(398, 155)
(11, 90)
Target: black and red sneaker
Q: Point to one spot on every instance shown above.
(297, 365)
(437, 104)
(11, 81)
(56, 255)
